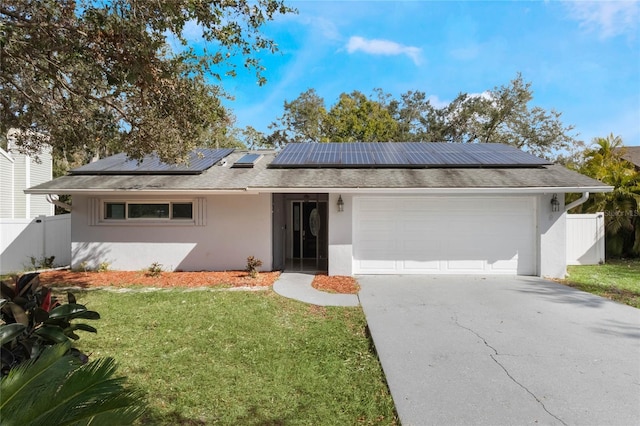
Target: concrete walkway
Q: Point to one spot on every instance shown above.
(296, 285)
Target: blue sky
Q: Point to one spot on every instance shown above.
(582, 58)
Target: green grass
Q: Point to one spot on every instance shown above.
(250, 358)
(618, 280)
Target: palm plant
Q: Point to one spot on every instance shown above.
(622, 205)
(57, 389)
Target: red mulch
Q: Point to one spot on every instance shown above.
(66, 278)
(164, 280)
(336, 284)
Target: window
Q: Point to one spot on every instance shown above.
(121, 210)
(182, 211)
(114, 211)
(148, 211)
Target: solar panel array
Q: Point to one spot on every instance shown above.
(199, 160)
(403, 155)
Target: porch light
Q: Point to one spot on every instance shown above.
(340, 204)
(555, 204)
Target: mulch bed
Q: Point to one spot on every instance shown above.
(336, 284)
(67, 278)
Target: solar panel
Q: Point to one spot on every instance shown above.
(387, 154)
(403, 154)
(198, 161)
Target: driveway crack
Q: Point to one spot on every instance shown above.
(493, 357)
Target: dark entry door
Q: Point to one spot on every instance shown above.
(307, 227)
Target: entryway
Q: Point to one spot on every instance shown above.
(300, 232)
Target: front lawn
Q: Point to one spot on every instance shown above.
(618, 280)
(251, 358)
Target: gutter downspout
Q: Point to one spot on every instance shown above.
(53, 199)
(576, 203)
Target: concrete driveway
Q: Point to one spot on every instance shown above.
(503, 351)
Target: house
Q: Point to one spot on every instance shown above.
(353, 208)
(18, 172)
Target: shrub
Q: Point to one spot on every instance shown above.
(32, 319)
(46, 262)
(252, 266)
(56, 388)
(154, 270)
(44, 380)
(103, 267)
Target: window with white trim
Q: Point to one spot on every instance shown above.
(181, 212)
(125, 210)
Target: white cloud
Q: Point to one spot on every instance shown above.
(383, 47)
(437, 102)
(609, 18)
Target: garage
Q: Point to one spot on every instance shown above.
(444, 235)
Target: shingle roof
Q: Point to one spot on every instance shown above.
(632, 155)
(262, 178)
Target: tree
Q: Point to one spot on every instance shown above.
(622, 206)
(102, 76)
(500, 115)
(356, 118)
(303, 120)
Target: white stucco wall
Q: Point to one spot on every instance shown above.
(237, 226)
(340, 236)
(552, 234)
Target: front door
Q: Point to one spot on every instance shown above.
(308, 219)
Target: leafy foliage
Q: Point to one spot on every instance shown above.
(32, 320)
(154, 270)
(56, 389)
(45, 262)
(91, 77)
(499, 115)
(622, 206)
(252, 266)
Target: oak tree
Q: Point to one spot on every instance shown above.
(502, 115)
(123, 75)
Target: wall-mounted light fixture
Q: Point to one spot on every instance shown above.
(340, 204)
(555, 204)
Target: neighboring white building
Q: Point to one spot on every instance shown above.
(348, 209)
(17, 173)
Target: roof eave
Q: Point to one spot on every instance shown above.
(441, 190)
(120, 191)
(344, 190)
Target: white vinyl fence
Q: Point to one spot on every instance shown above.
(585, 239)
(37, 238)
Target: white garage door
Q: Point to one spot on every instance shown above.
(444, 235)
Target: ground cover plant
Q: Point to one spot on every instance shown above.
(618, 280)
(228, 357)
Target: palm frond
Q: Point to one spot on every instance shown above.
(36, 376)
(55, 389)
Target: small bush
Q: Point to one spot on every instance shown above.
(154, 270)
(103, 267)
(32, 319)
(252, 266)
(46, 262)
